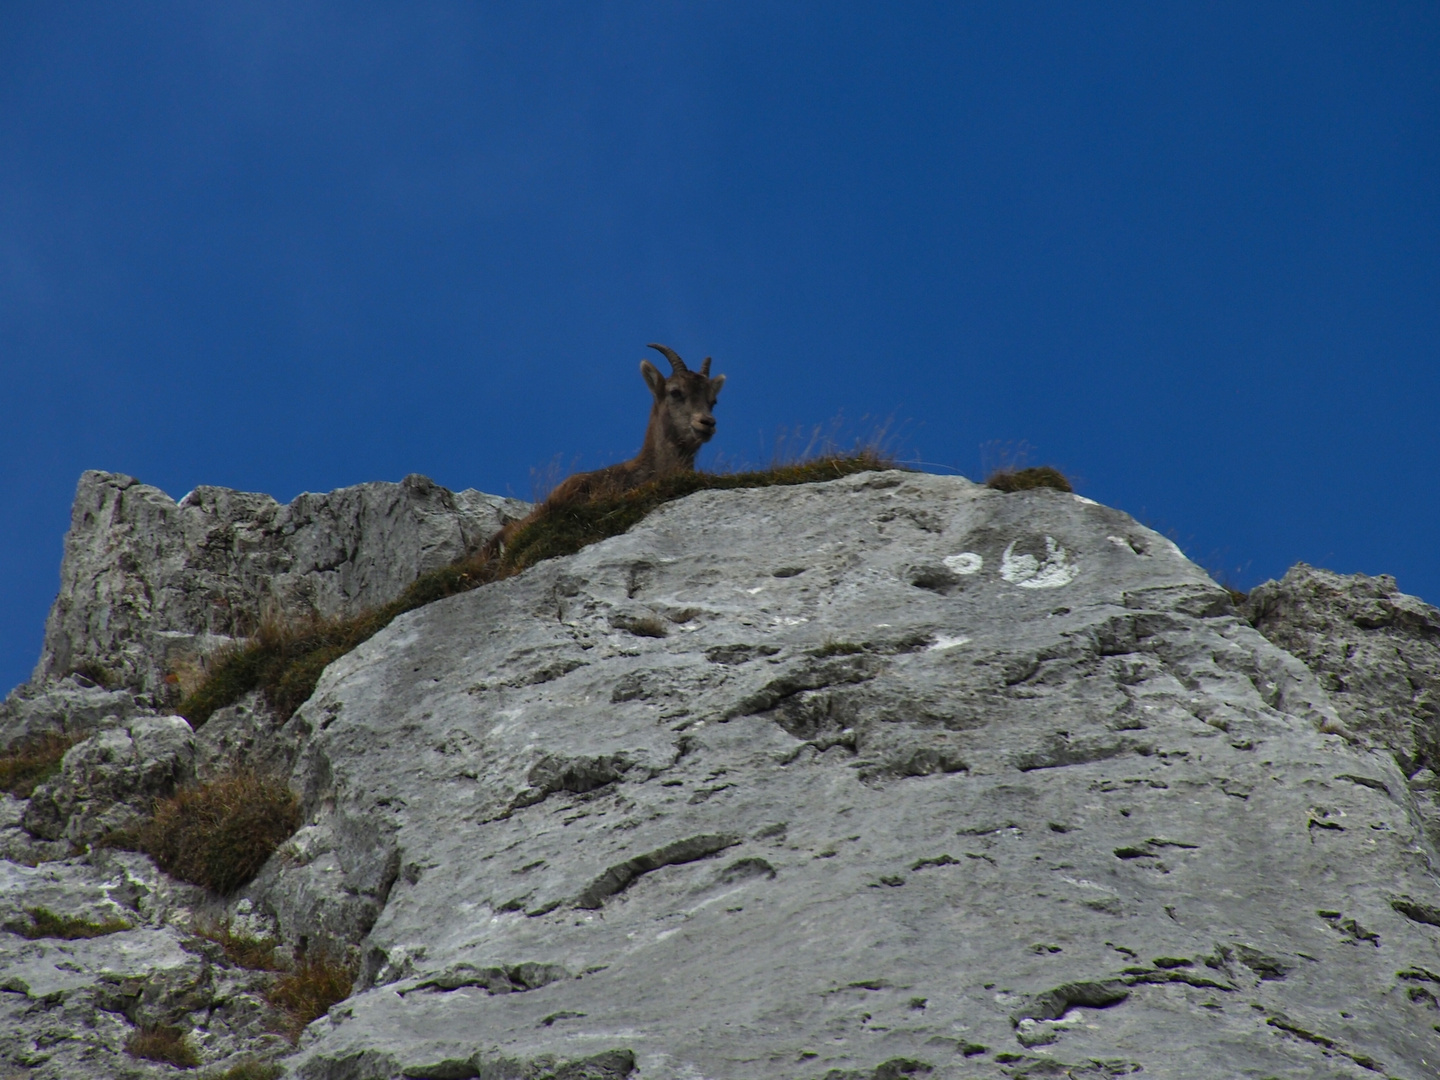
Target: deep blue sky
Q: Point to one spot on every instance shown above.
(1188, 253)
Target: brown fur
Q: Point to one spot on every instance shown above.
(681, 421)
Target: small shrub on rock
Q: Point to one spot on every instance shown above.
(218, 835)
(160, 1042)
(242, 950)
(307, 992)
(837, 648)
(102, 677)
(45, 923)
(248, 1070)
(1041, 476)
(29, 762)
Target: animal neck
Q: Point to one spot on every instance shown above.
(663, 452)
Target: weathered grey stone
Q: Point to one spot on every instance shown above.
(1057, 802)
(243, 735)
(1376, 650)
(73, 704)
(67, 1008)
(149, 586)
(112, 779)
(894, 776)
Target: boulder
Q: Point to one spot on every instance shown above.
(111, 780)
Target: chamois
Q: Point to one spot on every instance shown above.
(681, 421)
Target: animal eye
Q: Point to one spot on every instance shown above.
(676, 393)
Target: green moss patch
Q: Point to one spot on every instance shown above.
(284, 662)
(1041, 476)
(45, 923)
(837, 648)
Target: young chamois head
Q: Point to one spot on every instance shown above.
(682, 418)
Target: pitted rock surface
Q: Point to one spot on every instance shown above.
(1377, 652)
(914, 776)
(887, 777)
(67, 1008)
(110, 780)
(149, 585)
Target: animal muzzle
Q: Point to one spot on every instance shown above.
(704, 427)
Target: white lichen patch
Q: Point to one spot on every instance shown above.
(943, 641)
(1127, 544)
(967, 562)
(1028, 572)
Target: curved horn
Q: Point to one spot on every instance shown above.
(705, 367)
(675, 362)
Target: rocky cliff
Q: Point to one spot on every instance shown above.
(149, 585)
(889, 776)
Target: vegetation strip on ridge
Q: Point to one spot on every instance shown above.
(284, 662)
(45, 923)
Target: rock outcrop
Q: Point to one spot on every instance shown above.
(149, 586)
(890, 776)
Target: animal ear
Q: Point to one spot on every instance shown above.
(653, 378)
(715, 384)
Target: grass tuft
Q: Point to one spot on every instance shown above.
(284, 661)
(307, 992)
(45, 923)
(837, 648)
(160, 1042)
(248, 1070)
(1039, 476)
(242, 950)
(102, 677)
(218, 835)
(30, 761)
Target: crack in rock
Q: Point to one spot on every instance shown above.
(1053, 1004)
(509, 979)
(619, 876)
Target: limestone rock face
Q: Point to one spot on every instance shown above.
(891, 776)
(73, 703)
(109, 781)
(149, 585)
(67, 1008)
(1376, 650)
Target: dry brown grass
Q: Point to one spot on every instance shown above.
(248, 1070)
(100, 676)
(242, 950)
(1039, 476)
(307, 992)
(219, 834)
(29, 762)
(285, 659)
(160, 1042)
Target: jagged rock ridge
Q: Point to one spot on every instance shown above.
(150, 585)
(884, 777)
